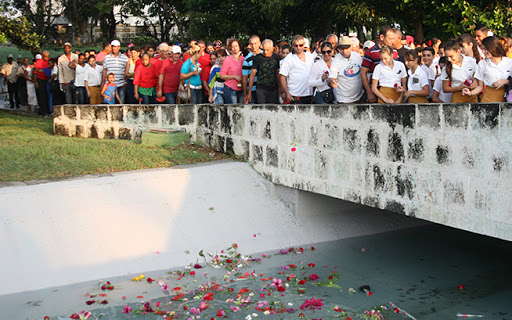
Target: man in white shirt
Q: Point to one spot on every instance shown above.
(345, 75)
(294, 74)
(80, 67)
(93, 81)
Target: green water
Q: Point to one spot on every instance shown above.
(431, 272)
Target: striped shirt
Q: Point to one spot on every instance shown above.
(247, 68)
(372, 57)
(116, 65)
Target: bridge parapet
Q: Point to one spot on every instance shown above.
(447, 163)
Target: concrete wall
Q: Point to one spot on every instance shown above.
(448, 164)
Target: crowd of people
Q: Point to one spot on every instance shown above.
(390, 69)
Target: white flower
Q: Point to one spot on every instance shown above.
(286, 285)
(255, 315)
(248, 317)
(266, 312)
(290, 304)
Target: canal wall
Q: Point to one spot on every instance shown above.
(445, 163)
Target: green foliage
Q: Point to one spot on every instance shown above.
(19, 32)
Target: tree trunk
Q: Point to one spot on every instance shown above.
(419, 35)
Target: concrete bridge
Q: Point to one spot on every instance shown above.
(448, 164)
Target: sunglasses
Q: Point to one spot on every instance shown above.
(299, 45)
(327, 52)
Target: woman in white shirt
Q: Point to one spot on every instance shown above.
(493, 72)
(319, 75)
(418, 84)
(389, 78)
(458, 74)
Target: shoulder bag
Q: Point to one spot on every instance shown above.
(184, 94)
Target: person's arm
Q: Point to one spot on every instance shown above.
(104, 88)
(72, 64)
(135, 92)
(118, 97)
(404, 85)
(471, 92)
(377, 93)
(127, 73)
(448, 89)
(284, 87)
(160, 84)
(103, 77)
(251, 83)
(87, 88)
(424, 92)
(366, 84)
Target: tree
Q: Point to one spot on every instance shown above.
(19, 31)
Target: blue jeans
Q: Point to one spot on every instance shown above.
(147, 99)
(122, 93)
(170, 97)
(233, 97)
(196, 96)
(319, 99)
(219, 98)
(130, 92)
(80, 94)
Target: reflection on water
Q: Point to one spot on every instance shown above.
(431, 272)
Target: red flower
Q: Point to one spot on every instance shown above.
(368, 293)
(281, 289)
(313, 248)
(301, 249)
(104, 302)
(140, 297)
(293, 149)
(302, 316)
(74, 316)
(461, 287)
(150, 280)
(208, 296)
(396, 310)
(46, 318)
(192, 273)
(311, 265)
(314, 277)
(330, 277)
(90, 302)
(198, 266)
(229, 261)
(302, 281)
(235, 245)
(176, 289)
(396, 85)
(292, 266)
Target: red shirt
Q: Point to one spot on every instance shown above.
(146, 77)
(205, 75)
(41, 64)
(171, 72)
(158, 64)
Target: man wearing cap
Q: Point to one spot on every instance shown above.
(41, 77)
(66, 74)
(9, 70)
(169, 78)
(116, 63)
(345, 74)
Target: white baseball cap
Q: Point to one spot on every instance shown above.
(9, 56)
(176, 49)
(115, 43)
(368, 44)
(39, 57)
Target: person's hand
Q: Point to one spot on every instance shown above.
(473, 85)
(333, 83)
(248, 99)
(466, 91)
(407, 94)
(210, 99)
(400, 89)
(325, 76)
(159, 93)
(237, 78)
(388, 100)
(371, 97)
(136, 96)
(89, 94)
(195, 72)
(500, 83)
(288, 97)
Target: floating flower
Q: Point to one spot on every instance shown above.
(461, 287)
(150, 280)
(294, 149)
(235, 308)
(314, 277)
(127, 309)
(104, 302)
(311, 265)
(90, 302)
(195, 311)
(281, 289)
(221, 313)
(313, 248)
(198, 266)
(164, 286)
(192, 273)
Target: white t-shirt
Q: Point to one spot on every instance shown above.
(443, 96)
(80, 75)
(93, 76)
(431, 76)
(315, 78)
(55, 70)
(389, 77)
(417, 80)
(462, 73)
(297, 73)
(348, 74)
(489, 73)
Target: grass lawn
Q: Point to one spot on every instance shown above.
(30, 151)
(54, 52)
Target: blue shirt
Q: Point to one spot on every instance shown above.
(111, 93)
(247, 69)
(189, 67)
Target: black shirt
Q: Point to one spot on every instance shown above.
(266, 71)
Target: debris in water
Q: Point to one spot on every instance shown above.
(466, 315)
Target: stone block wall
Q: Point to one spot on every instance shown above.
(448, 164)
(120, 121)
(444, 163)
